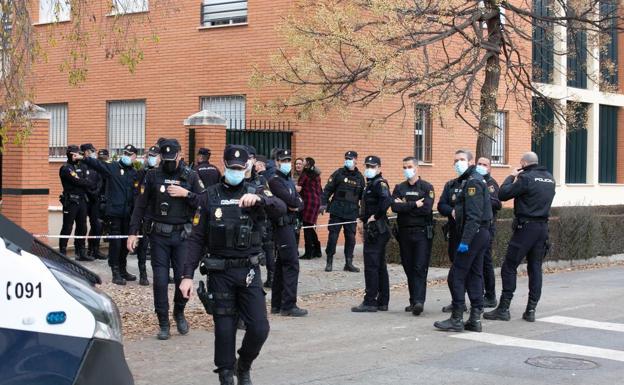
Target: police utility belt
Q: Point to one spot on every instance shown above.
(286, 220)
(65, 198)
(211, 263)
(153, 227)
(519, 223)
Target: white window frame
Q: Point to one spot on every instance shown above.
(54, 11)
(229, 107)
(126, 7)
(499, 144)
(57, 136)
(125, 124)
(224, 12)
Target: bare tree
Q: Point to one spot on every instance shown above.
(102, 24)
(473, 57)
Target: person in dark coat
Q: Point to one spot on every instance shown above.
(311, 191)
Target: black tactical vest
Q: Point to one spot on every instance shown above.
(167, 209)
(413, 194)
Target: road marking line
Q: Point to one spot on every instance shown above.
(583, 323)
(578, 350)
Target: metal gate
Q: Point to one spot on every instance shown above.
(263, 135)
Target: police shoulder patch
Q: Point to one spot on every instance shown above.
(73, 173)
(142, 189)
(268, 193)
(431, 194)
(472, 191)
(201, 184)
(384, 185)
(491, 189)
(196, 217)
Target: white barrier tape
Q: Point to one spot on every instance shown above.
(337, 224)
(83, 236)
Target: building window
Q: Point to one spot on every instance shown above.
(223, 12)
(609, 48)
(121, 7)
(576, 143)
(54, 11)
(422, 133)
(608, 141)
(230, 108)
(499, 145)
(542, 139)
(577, 59)
(57, 147)
(126, 124)
(543, 45)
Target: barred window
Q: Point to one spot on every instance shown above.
(223, 12)
(422, 133)
(126, 124)
(230, 108)
(53, 11)
(57, 146)
(499, 145)
(129, 6)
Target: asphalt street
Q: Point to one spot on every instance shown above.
(577, 339)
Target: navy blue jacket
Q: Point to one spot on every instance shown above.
(122, 186)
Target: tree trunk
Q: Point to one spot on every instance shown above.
(489, 90)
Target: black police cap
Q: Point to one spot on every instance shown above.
(351, 154)
(169, 149)
(103, 152)
(204, 151)
(87, 147)
(73, 148)
(283, 155)
(130, 149)
(261, 158)
(235, 155)
(373, 160)
(153, 151)
(251, 150)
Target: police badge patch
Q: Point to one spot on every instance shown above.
(218, 213)
(491, 189)
(268, 193)
(431, 194)
(472, 191)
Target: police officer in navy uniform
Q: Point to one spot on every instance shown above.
(446, 207)
(122, 186)
(227, 228)
(375, 204)
(76, 185)
(473, 214)
(532, 188)
(152, 160)
(208, 173)
(489, 279)
(341, 197)
(93, 208)
(167, 221)
(285, 281)
(413, 203)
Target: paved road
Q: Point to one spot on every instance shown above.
(335, 346)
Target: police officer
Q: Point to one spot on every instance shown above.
(208, 173)
(285, 281)
(489, 279)
(167, 221)
(229, 229)
(152, 160)
(269, 245)
(341, 197)
(373, 216)
(532, 188)
(122, 184)
(93, 208)
(74, 200)
(413, 203)
(473, 214)
(103, 155)
(446, 207)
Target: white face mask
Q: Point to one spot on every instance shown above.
(370, 173)
(409, 173)
(481, 170)
(93, 155)
(460, 167)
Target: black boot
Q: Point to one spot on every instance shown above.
(127, 276)
(529, 313)
(269, 281)
(243, 373)
(417, 308)
(294, 312)
(226, 377)
(143, 281)
(474, 322)
(316, 250)
(308, 253)
(349, 266)
(363, 308)
(330, 263)
(453, 324)
(118, 279)
(449, 308)
(97, 254)
(501, 313)
(181, 323)
(163, 323)
(81, 255)
(63, 250)
(490, 301)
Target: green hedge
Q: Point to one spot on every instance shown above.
(579, 232)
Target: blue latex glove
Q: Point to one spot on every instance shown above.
(462, 248)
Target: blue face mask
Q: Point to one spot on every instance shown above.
(460, 167)
(370, 173)
(409, 173)
(481, 170)
(151, 161)
(234, 177)
(349, 163)
(285, 168)
(126, 160)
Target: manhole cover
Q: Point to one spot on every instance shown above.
(561, 363)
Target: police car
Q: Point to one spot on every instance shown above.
(56, 328)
